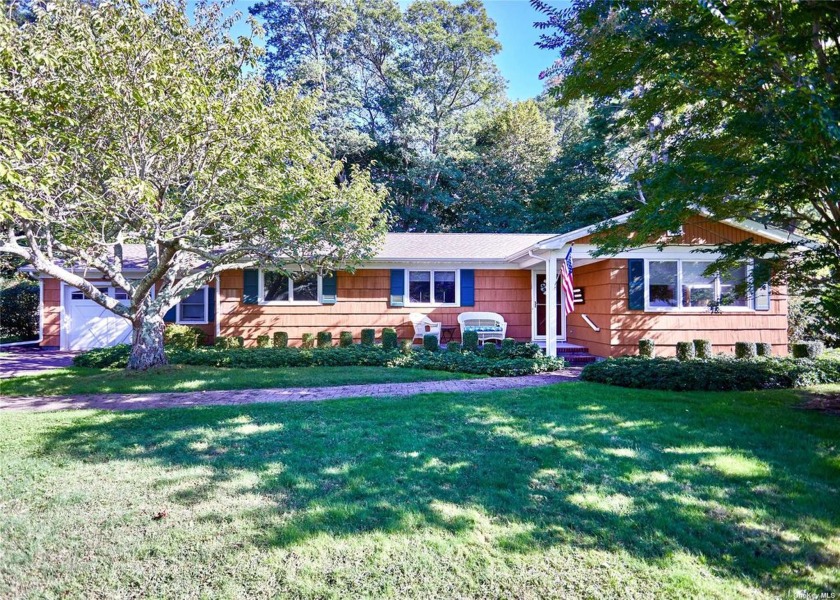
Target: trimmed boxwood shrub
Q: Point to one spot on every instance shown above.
(389, 338)
(508, 343)
(263, 341)
(646, 348)
(307, 341)
(430, 342)
(236, 342)
(182, 337)
(703, 349)
(345, 339)
(405, 346)
(685, 351)
(745, 350)
(324, 339)
(807, 349)
(490, 350)
(222, 342)
(368, 337)
(522, 350)
(470, 341)
(763, 349)
(453, 347)
(716, 374)
(281, 339)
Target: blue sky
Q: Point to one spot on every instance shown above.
(520, 62)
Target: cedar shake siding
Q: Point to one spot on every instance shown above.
(363, 302)
(606, 304)
(52, 313)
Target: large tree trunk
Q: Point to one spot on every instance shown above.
(147, 343)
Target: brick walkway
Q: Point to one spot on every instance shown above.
(176, 399)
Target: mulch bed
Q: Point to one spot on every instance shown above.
(827, 403)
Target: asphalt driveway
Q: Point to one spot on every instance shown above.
(18, 361)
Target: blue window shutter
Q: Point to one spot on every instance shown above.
(250, 286)
(329, 289)
(636, 283)
(761, 278)
(397, 287)
(467, 287)
(211, 304)
(169, 317)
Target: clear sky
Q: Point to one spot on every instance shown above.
(520, 61)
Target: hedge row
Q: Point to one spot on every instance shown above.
(521, 359)
(717, 374)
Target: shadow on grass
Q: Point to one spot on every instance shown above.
(747, 484)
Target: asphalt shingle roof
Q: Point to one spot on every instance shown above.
(456, 246)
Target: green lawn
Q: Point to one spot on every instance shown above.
(184, 378)
(574, 490)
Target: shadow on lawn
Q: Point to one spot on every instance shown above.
(649, 478)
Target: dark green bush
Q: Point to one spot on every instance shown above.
(703, 349)
(763, 349)
(745, 350)
(324, 339)
(716, 374)
(508, 343)
(281, 339)
(405, 347)
(646, 348)
(522, 350)
(345, 339)
(19, 319)
(368, 337)
(114, 357)
(389, 338)
(182, 337)
(810, 350)
(470, 341)
(222, 342)
(263, 341)
(430, 342)
(685, 351)
(307, 341)
(236, 342)
(453, 347)
(490, 350)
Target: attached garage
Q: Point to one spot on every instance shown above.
(88, 325)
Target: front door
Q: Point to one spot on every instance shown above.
(538, 317)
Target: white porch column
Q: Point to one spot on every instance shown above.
(551, 305)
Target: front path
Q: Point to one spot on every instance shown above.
(176, 399)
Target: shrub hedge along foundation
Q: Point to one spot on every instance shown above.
(345, 339)
(389, 338)
(523, 359)
(685, 350)
(263, 341)
(807, 349)
(703, 349)
(763, 349)
(716, 374)
(745, 350)
(646, 348)
(453, 347)
(368, 337)
(281, 339)
(430, 342)
(470, 341)
(183, 337)
(324, 339)
(307, 340)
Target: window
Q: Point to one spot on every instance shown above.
(79, 295)
(279, 287)
(193, 308)
(433, 287)
(696, 291)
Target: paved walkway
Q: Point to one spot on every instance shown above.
(176, 399)
(28, 361)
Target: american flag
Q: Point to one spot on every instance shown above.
(567, 281)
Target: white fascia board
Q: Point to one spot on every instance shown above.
(419, 263)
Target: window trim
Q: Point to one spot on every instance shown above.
(205, 320)
(692, 309)
(432, 271)
(292, 302)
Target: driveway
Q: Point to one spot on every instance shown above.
(27, 361)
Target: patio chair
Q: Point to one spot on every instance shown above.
(423, 325)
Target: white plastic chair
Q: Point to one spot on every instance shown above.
(423, 325)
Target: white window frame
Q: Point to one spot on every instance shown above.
(750, 307)
(261, 295)
(180, 321)
(432, 271)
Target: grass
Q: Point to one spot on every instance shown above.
(184, 378)
(574, 490)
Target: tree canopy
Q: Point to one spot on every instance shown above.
(125, 122)
(730, 107)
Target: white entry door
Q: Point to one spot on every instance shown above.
(88, 325)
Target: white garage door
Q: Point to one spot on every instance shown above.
(88, 325)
